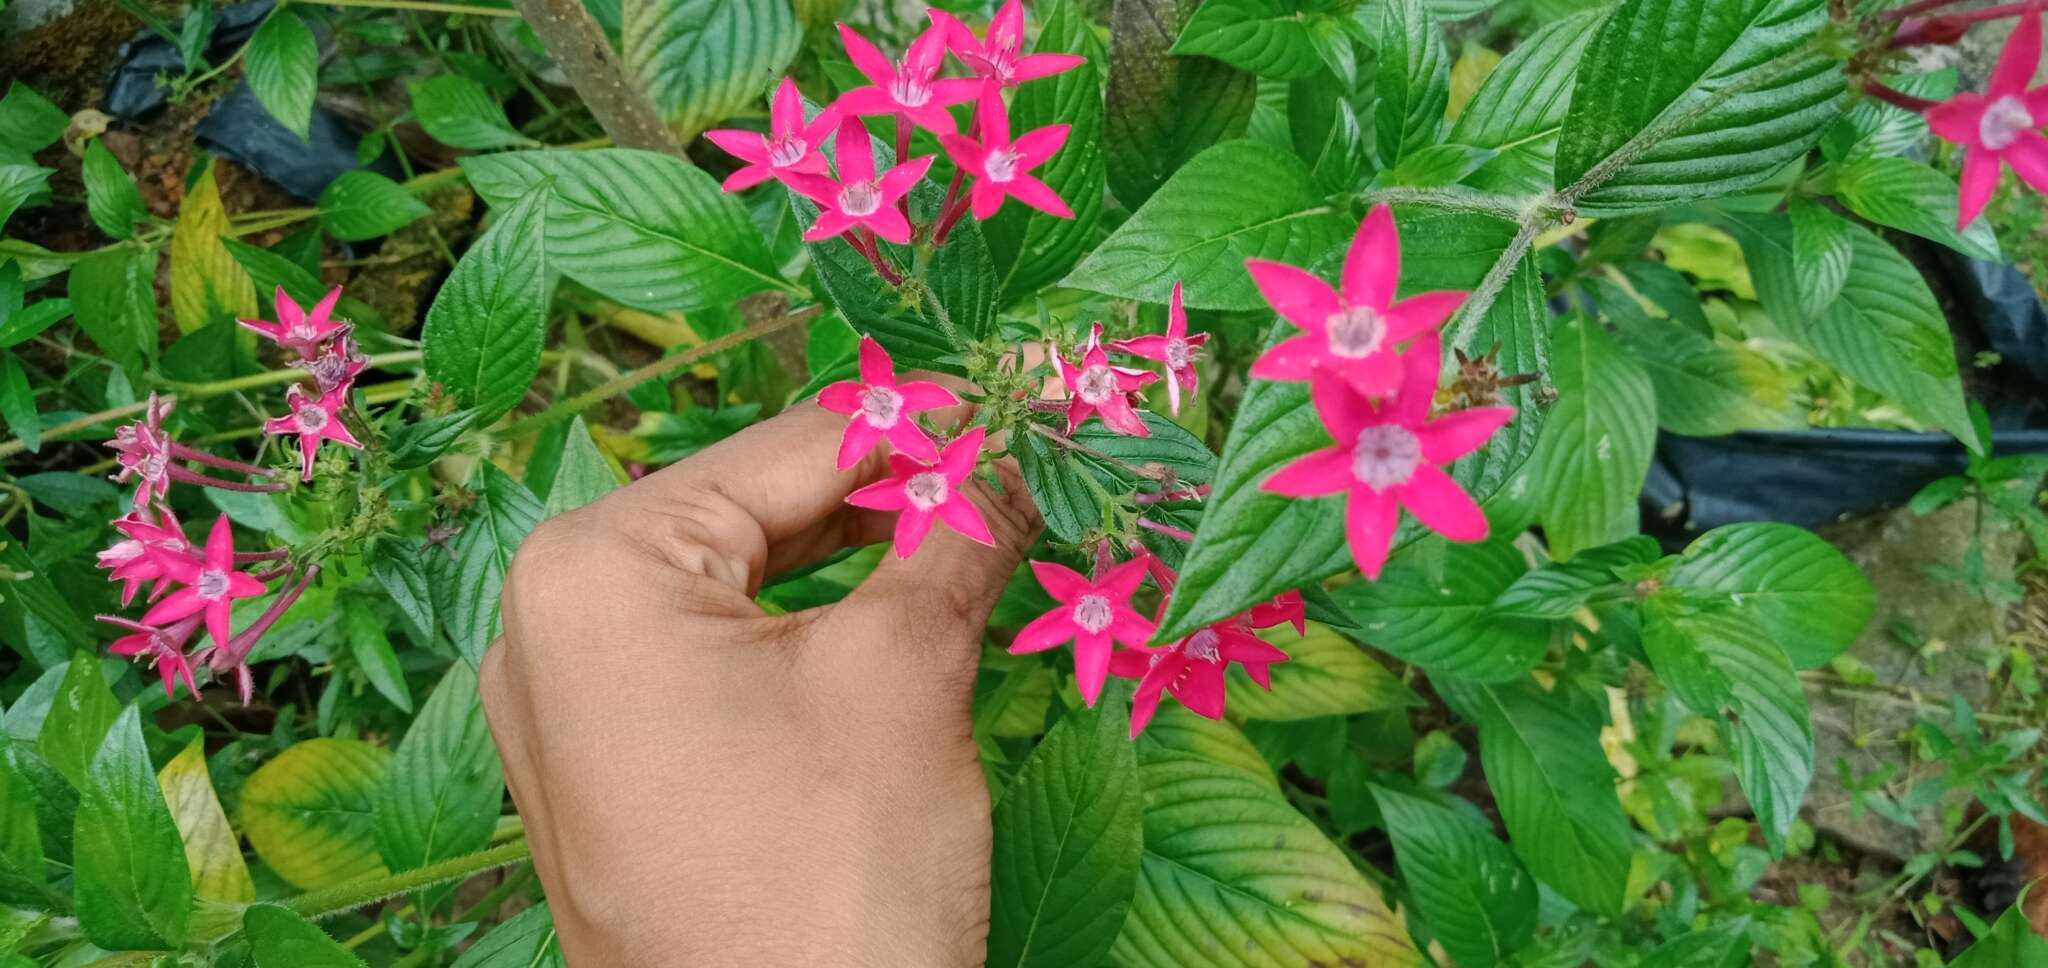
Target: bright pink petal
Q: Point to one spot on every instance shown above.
(992, 117)
(1152, 347)
(1039, 195)
(747, 146)
(1318, 473)
(866, 58)
(830, 223)
(1201, 689)
(244, 586)
(1145, 701)
(1441, 505)
(1033, 66)
(1249, 649)
(1419, 314)
(2028, 156)
(220, 544)
(1421, 364)
(1006, 28)
(1130, 628)
(1091, 664)
(289, 315)
(965, 152)
(1062, 583)
(909, 438)
(855, 153)
(1369, 521)
(1454, 435)
(865, 102)
(746, 178)
(960, 456)
(1117, 413)
(2020, 58)
(959, 37)
(841, 397)
(1037, 146)
(1377, 375)
(1047, 631)
(876, 368)
(986, 199)
(885, 495)
(888, 223)
(1979, 180)
(1292, 359)
(323, 311)
(921, 395)
(1344, 410)
(309, 450)
(786, 110)
(1177, 317)
(1121, 581)
(1299, 297)
(1372, 265)
(218, 618)
(911, 527)
(961, 515)
(178, 604)
(859, 439)
(1957, 119)
(904, 177)
(1131, 663)
(953, 90)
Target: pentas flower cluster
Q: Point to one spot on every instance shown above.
(1997, 129)
(330, 358)
(924, 480)
(864, 203)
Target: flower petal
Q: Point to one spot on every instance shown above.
(920, 395)
(842, 397)
(1201, 689)
(1957, 119)
(1441, 505)
(1420, 313)
(218, 619)
(785, 110)
(1091, 664)
(1039, 195)
(883, 495)
(1051, 630)
(1151, 347)
(1369, 521)
(965, 152)
(1145, 701)
(1343, 409)
(859, 439)
(866, 58)
(1315, 474)
(904, 177)
(1291, 359)
(888, 223)
(1421, 365)
(1033, 66)
(1061, 582)
(959, 457)
(1037, 146)
(909, 438)
(961, 515)
(178, 604)
(746, 178)
(1130, 628)
(1372, 265)
(1121, 581)
(1298, 296)
(2028, 156)
(911, 527)
(220, 544)
(2021, 57)
(876, 368)
(1456, 434)
(830, 223)
(1376, 376)
(985, 198)
(854, 151)
(747, 146)
(1979, 180)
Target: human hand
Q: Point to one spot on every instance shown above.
(706, 784)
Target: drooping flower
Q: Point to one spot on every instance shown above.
(313, 419)
(2000, 125)
(1352, 333)
(1175, 348)
(1191, 670)
(150, 544)
(1000, 166)
(859, 198)
(790, 146)
(143, 450)
(910, 88)
(1095, 387)
(1091, 614)
(301, 329)
(163, 645)
(1390, 457)
(211, 585)
(995, 57)
(924, 492)
(1286, 608)
(337, 366)
(883, 408)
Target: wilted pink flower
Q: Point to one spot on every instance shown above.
(2000, 125)
(1091, 614)
(336, 367)
(165, 647)
(858, 198)
(1354, 333)
(144, 554)
(1000, 166)
(790, 146)
(1389, 457)
(995, 58)
(924, 492)
(882, 408)
(143, 450)
(912, 88)
(1096, 387)
(1191, 670)
(313, 419)
(212, 585)
(299, 329)
(1176, 349)
(1286, 608)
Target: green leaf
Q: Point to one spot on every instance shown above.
(373, 653)
(440, 798)
(1269, 38)
(1597, 441)
(1557, 589)
(1745, 89)
(639, 227)
(1911, 197)
(1478, 901)
(418, 443)
(584, 476)
(280, 939)
(1160, 110)
(282, 66)
(1700, 383)
(113, 297)
(1054, 473)
(80, 713)
(1177, 732)
(2011, 944)
(18, 403)
(111, 197)
(1324, 675)
(1788, 583)
(1873, 128)
(1206, 220)
(525, 941)
(129, 876)
(1068, 834)
(1433, 607)
(483, 333)
(22, 879)
(1413, 81)
(461, 113)
(40, 597)
(1520, 106)
(28, 121)
(702, 60)
(360, 205)
(213, 853)
(1031, 248)
(1821, 251)
(398, 570)
(18, 184)
(308, 812)
(505, 511)
(1229, 866)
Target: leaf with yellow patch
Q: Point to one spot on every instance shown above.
(1473, 65)
(308, 813)
(212, 850)
(206, 281)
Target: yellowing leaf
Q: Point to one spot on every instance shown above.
(1325, 675)
(308, 812)
(206, 282)
(1473, 64)
(211, 849)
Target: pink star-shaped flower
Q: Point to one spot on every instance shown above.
(165, 647)
(313, 419)
(1095, 387)
(300, 329)
(882, 408)
(911, 88)
(1000, 166)
(1391, 457)
(2000, 125)
(1286, 608)
(1175, 348)
(1352, 333)
(858, 198)
(1191, 670)
(211, 586)
(1092, 614)
(790, 146)
(146, 552)
(143, 450)
(336, 367)
(924, 492)
(996, 57)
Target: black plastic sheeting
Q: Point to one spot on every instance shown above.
(133, 92)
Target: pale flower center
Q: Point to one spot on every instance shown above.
(154, 465)
(2003, 121)
(860, 198)
(329, 370)
(926, 490)
(1095, 385)
(786, 151)
(881, 406)
(312, 419)
(1179, 354)
(910, 92)
(128, 550)
(305, 330)
(1355, 331)
(212, 584)
(1203, 645)
(1093, 613)
(1001, 165)
(1386, 456)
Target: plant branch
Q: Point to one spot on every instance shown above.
(424, 6)
(1453, 199)
(578, 44)
(342, 898)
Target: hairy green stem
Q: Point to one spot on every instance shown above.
(424, 6)
(340, 899)
(1453, 199)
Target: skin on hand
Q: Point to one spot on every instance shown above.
(705, 784)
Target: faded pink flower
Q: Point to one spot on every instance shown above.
(1352, 333)
(924, 492)
(996, 57)
(143, 451)
(165, 647)
(337, 366)
(859, 198)
(790, 146)
(911, 88)
(1091, 614)
(1391, 456)
(1286, 608)
(2000, 125)
(145, 552)
(1095, 387)
(313, 419)
(1000, 166)
(211, 585)
(1175, 348)
(882, 408)
(300, 329)
(1191, 670)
